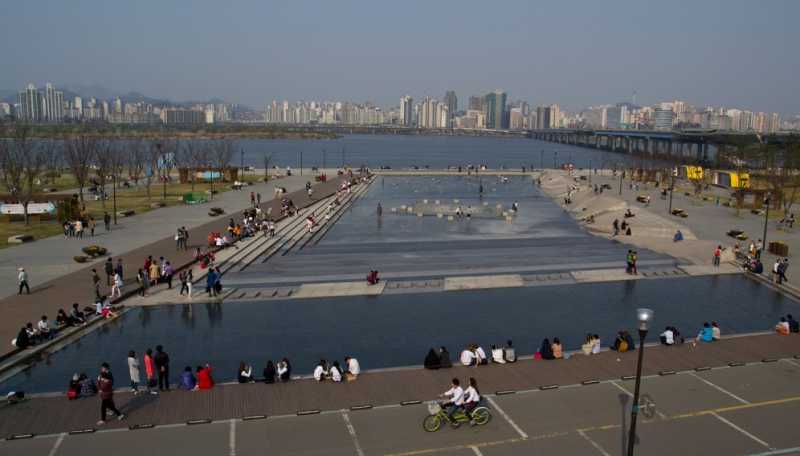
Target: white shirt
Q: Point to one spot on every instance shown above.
(596, 347)
(480, 354)
(336, 376)
(319, 373)
(669, 337)
(510, 354)
(471, 395)
(43, 326)
(467, 357)
(497, 356)
(353, 367)
(456, 395)
(282, 369)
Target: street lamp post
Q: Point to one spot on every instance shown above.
(114, 192)
(671, 189)
(541, 159)
(621, 173)
(766, 220)
(301, 162)
(643, 317)
(555, 158)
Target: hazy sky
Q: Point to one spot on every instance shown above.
(576, 53)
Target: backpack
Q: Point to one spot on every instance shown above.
(623, 346)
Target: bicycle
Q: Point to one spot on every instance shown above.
(437, 416)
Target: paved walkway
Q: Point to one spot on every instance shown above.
(739, 409)
(71, 282)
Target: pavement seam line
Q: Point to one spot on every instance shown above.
(57, 444)
(777, 452)
(232, 438)
(741, 430)
(792, 362)
(352, 430)
(719, 388)
(593, 443)
(476, 450)
(507, 418)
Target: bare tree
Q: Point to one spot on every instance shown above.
(192, 156)
(151, 158)
(21, 164)
(221, 155)
(136, 159)
(53, 159)
(104, 166)
(79, 154)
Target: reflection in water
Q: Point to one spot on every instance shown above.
(187, 315)
(144, 316)
(214, 311)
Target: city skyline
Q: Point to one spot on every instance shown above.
(494, 110)
(719, 53)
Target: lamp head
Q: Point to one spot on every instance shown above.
(643, 318)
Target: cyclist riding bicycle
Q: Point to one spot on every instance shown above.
(456, 398)
(472, 397)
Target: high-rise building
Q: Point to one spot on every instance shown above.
(555, 116)
(30, 105)
(495, 109)
(664, 117)
(476, 103)
(451, 101)
(542, 117)
(406, 111)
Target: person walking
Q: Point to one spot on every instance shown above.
(107, 221)
(116, 287)
(96, 283)
(133, 370)
(118, 269)
(185, 238)
(144, 282)
(150, 371)
(717, 255)
(109, 269)
(178, 239)
(162, 365)
(167, 272)
(92, 225)
(258, 200)
(105, 384)
(211, 279)
(22, 279)
(782, 267)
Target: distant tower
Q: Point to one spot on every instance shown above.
(633, 100)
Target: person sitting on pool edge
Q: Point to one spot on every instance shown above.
(782, 327)
(716, 334)
(321, 371)
(353, 368)
(794, 325)
(444, 358)
(558, 351)
(187, 382)
(497, 355)
(546, 350)
(706, 334)
(432, 360)
(509, 352)
(468, 357)
(204, 379)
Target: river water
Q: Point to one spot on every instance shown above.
(437, 152)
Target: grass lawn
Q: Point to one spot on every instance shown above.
(133, 198)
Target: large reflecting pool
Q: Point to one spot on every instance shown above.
(397, 330)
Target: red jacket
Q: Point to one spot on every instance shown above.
(204, 380)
